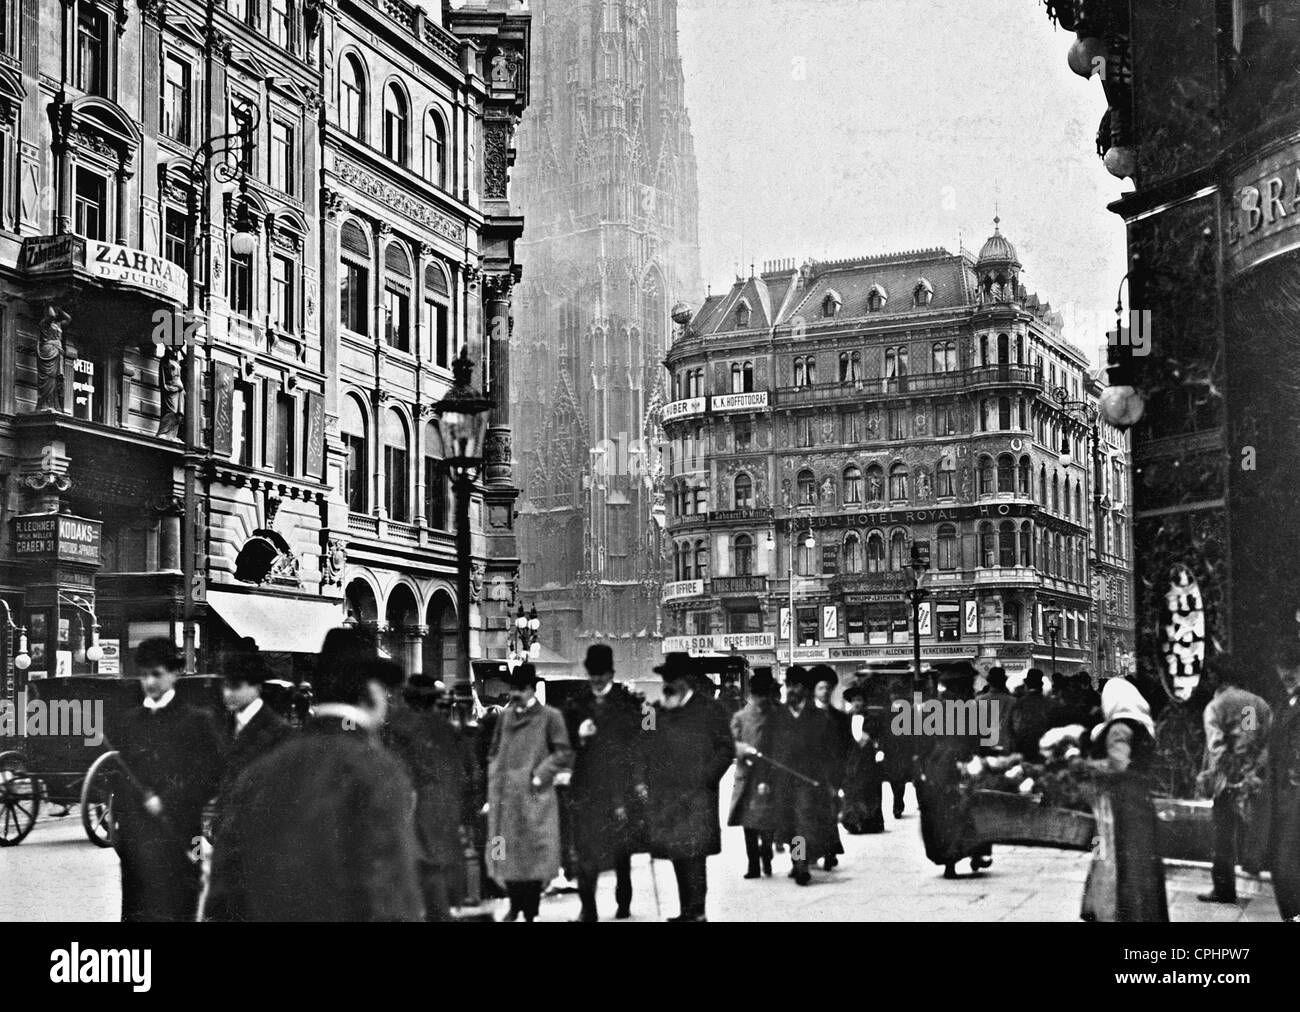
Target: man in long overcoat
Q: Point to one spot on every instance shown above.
(805, 820)
(608, 790)
(690, 749)
(173, 755)
(255, 729)
(1032, 716)
(839, 747)
(432, 752)
(1283, 784)
(320, 829)
(751, 793)
(529, 747)
(887, 695)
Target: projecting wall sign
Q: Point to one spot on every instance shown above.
(1264, 209)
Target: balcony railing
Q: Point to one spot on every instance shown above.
(919, 383)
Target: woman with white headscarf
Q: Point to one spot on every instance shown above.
(1126, 881)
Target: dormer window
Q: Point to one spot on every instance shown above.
(743, 313)
(923, 293)
(876, 299)
(831, 304)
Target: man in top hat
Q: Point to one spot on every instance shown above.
(1031, 717)
(751, 794)
(996, 696)
(430, 748)
(530, 745)
(171, 756)
(839, 745)
(254, 729)
(688, 752)
(321, 829)
(805, 818)
(608, 790)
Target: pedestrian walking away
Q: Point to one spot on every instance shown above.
(321, 829)
(530, 746)
(607, 793)
(172, 753)
(751, 793)
(689, 750)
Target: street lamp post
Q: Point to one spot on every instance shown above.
(227, 158)
(525, 643)
(462, 418)
(810, 543)
(1052, 616)
(94, 652)
(920, 564)
(1090, 416)
(19, 659)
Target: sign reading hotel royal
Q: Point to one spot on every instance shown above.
(882, 518)
(1264, 209)
(105, 261)
(56, 537)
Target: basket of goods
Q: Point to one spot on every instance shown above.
(1049, 804)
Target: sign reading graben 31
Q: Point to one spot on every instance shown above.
(56, 537)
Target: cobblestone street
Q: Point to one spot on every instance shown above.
(57, 875)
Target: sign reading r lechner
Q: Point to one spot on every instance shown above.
(55, 537)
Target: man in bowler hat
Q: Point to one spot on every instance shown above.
(172, 755)
(690, 748)
(608, 790)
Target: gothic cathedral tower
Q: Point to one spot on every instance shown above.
(606, 181)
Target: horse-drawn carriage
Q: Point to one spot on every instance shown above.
(62, 752)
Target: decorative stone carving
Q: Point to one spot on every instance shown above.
(476, 573)
(333, 562)
(51, 352)
(47, 481)
(417, 210)
(335, 204)
(924, 489)
(154, 11)
(507, 64)
(218, 43)
(171, 393)
(497, 287)
(496, 158)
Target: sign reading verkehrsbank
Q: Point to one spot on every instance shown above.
(55, 537)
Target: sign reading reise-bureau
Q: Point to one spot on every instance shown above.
(55, 537)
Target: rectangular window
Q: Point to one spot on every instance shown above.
(241, 285)
(243, 424)
(90, 206)
(354, 476)
(283, 272)
(878, 623)
(900, 623)
(285, 416)
(396, 498)
(744, 436)
(437, 331)
(744, 621)
(948, 621)
(810, 627)
(806, 431)
(282, 23)
(398, 333)
(238, 8)
(176, 237)
(855, 623)
(354, 300)
(176, 99)
(282, 157)
(946, 483)
(698, 622)
(945, 420)
(435, 494)
(897, 423)
(92, 48)
(852, 427)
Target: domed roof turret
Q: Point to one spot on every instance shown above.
(997, 251)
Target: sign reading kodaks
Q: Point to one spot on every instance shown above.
(55, 537)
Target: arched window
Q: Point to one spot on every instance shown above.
(395, 125)
(1026, 479)
(988, 548)
(1078, 502)
(807, 488)
(354, 279)
(742, 555)
(1058, 564)
(986, 475)
(356, 473)
(1069, 559)
(895, 362)
(435, 150)
(352, 97)
(1004, 413)
(747, 377)
(943, 356)
(701, 560)
(800, 375)
(948, 555)
(875, 552)
(853, 552)
(1026, 544)
(736, 381)
(397, 296)
(897, 551)
(1056, 493)
(831, 304)
(1004, 349)
(1045, 553)
(852, 484)
(876, 299)
(744, 492)
(946, 475)
(1020, 349)
(922, 294)
(1006, 544)
(743, 314)
(437, 488)
(875, 488)
(898, 482)
(437, 316)
(806, 558)
(1042, 486)
(1078, 560)
(1011, 621)
(1006, 473)
(397, 467)
(850, 366)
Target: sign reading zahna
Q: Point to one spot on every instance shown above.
(106, 261)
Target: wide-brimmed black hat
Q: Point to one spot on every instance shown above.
(675, 666)
(422, 691)
(797, 674)
(823, 673)
(600, 659)
(524, 676)
(761, 682)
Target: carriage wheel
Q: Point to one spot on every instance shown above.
(20, 799)
(97, 791)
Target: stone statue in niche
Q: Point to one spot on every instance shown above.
(923, 487)
(51, 353)
(920, 424)
(876, 488)
(171, 391)
(967, 489)
(828, 491)
(873, 423)
(828, 429)
(787, 493)
(505, 68)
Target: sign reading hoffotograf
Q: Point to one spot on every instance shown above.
(740, 402)
(54, 537)
(1264, 209)
(718, 644)
(881, 518)
(107, 261)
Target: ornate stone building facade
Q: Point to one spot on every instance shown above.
(868, 405)
(607, 183)
(375, 191)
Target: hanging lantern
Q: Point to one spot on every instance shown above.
(1122, 406)
(1087, 56)
(1120, 162)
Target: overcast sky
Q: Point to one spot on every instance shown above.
(837, 128)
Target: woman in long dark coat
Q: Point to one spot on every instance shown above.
(804, 819)
(751, 795)
(863, 785)
(884, 696)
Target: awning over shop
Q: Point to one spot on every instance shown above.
(278, 624)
